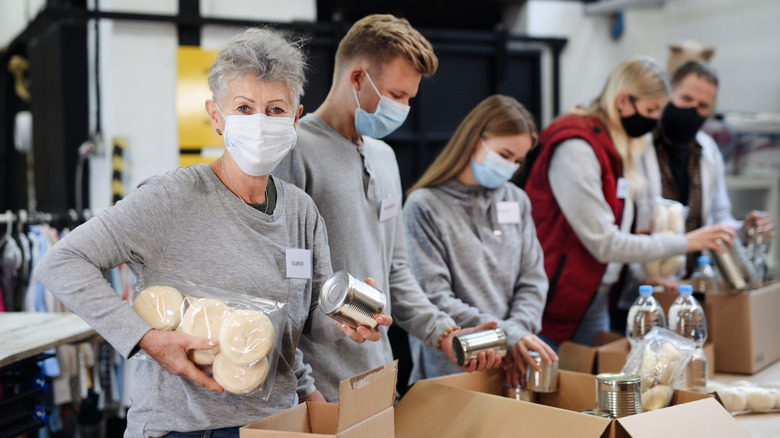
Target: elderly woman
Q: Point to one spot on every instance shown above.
(227, 225)
(471, 241)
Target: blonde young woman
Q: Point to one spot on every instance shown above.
(471, 242)
(581, 188)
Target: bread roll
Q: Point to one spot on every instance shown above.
(758, 399)
(246, 336)
(647, 370)
(660, 218)
(656, 397)
(204, 319)
(670, 265)
(732, 399)
(159, 306)
(652, 267)
(239, 379)
(676, 217)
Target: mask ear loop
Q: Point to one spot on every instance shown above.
(220, 113)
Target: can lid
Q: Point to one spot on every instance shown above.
(334, 292)
(617, 378)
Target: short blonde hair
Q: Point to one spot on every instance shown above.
(380, 38)
(495, 116)
(642, 78)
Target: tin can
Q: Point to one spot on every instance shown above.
(468, 346)
(519, 393)
(618, 394)
(351, 301)
(541, 381)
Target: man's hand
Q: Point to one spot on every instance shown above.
(363, 333)
(519, 357)
(315, 396)
(484, 361)
(761, 219)
(170, 349)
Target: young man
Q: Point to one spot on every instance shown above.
(354, 180)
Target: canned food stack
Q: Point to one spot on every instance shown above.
(618, 394)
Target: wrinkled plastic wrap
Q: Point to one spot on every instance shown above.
(659, 360)
(668, 218)
(248, 329)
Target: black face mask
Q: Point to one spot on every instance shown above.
(680, 125)
(637, 125)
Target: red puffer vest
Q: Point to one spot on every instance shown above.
(573, 272)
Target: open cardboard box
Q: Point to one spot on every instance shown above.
(468, 405)
(743, 327)
(584, 358)
(364, 410)
(612, 356)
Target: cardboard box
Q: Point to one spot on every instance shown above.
(364, 410)
(743, 327)
(583, 358)
(612, 356)
(468, 405)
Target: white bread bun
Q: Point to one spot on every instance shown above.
(652, 267)
(246, 336)
(647, 370)
(660, 218)
(758, 399)
(671, 265)
(239, 379)
(159, 306)
(656, 397)
(732, 399)
(204, 319)
(676, 218)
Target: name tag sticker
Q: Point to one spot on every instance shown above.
(298, 263)
(390, 208)
(623, 187)
(508, 212)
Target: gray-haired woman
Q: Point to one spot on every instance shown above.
(227, 225)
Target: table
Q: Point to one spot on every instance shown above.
(27, 334)
(757, 425)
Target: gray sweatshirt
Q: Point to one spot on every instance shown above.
(475, 264)
(187, 225)
(348, 183)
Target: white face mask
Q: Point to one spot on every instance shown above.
(258, 143)
(388, 116)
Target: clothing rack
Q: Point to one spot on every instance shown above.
(70, 218)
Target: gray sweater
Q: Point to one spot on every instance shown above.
(187, 225)
(474, 264)
(348, 184)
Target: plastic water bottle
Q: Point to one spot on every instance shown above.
(703, 277)
(686, 318)
(643, 315)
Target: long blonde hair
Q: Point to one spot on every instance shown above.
(642, 78)
(495, 116)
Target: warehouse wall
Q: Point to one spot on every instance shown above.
(744, 33)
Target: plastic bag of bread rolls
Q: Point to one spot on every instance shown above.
(668, 217)
(248, 329)
(742, 397)
(659, 360)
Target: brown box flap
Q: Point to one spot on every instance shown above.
(488, 382)
(379, 426)
(294, 422)
(576, 357)
(366, 394)
(431, 409)
(701, 418)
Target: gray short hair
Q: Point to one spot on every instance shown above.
(262, 52)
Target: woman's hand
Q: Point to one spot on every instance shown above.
(484, 361)
(519, 357)
(170, 349)
(707, 237)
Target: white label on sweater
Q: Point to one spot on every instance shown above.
(623, 187)
(508, 212)
(390, 208)
(298, 263)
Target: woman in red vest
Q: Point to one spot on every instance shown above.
(581, 187)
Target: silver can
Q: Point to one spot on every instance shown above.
(519, 393)
(545, 380)
(468, 346)
(351, 301)
(618, 394)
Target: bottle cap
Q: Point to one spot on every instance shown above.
(703, 260)
(686, 289)
(645, 289)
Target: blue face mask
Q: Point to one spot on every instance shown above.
(494, 169)
(388, 117)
